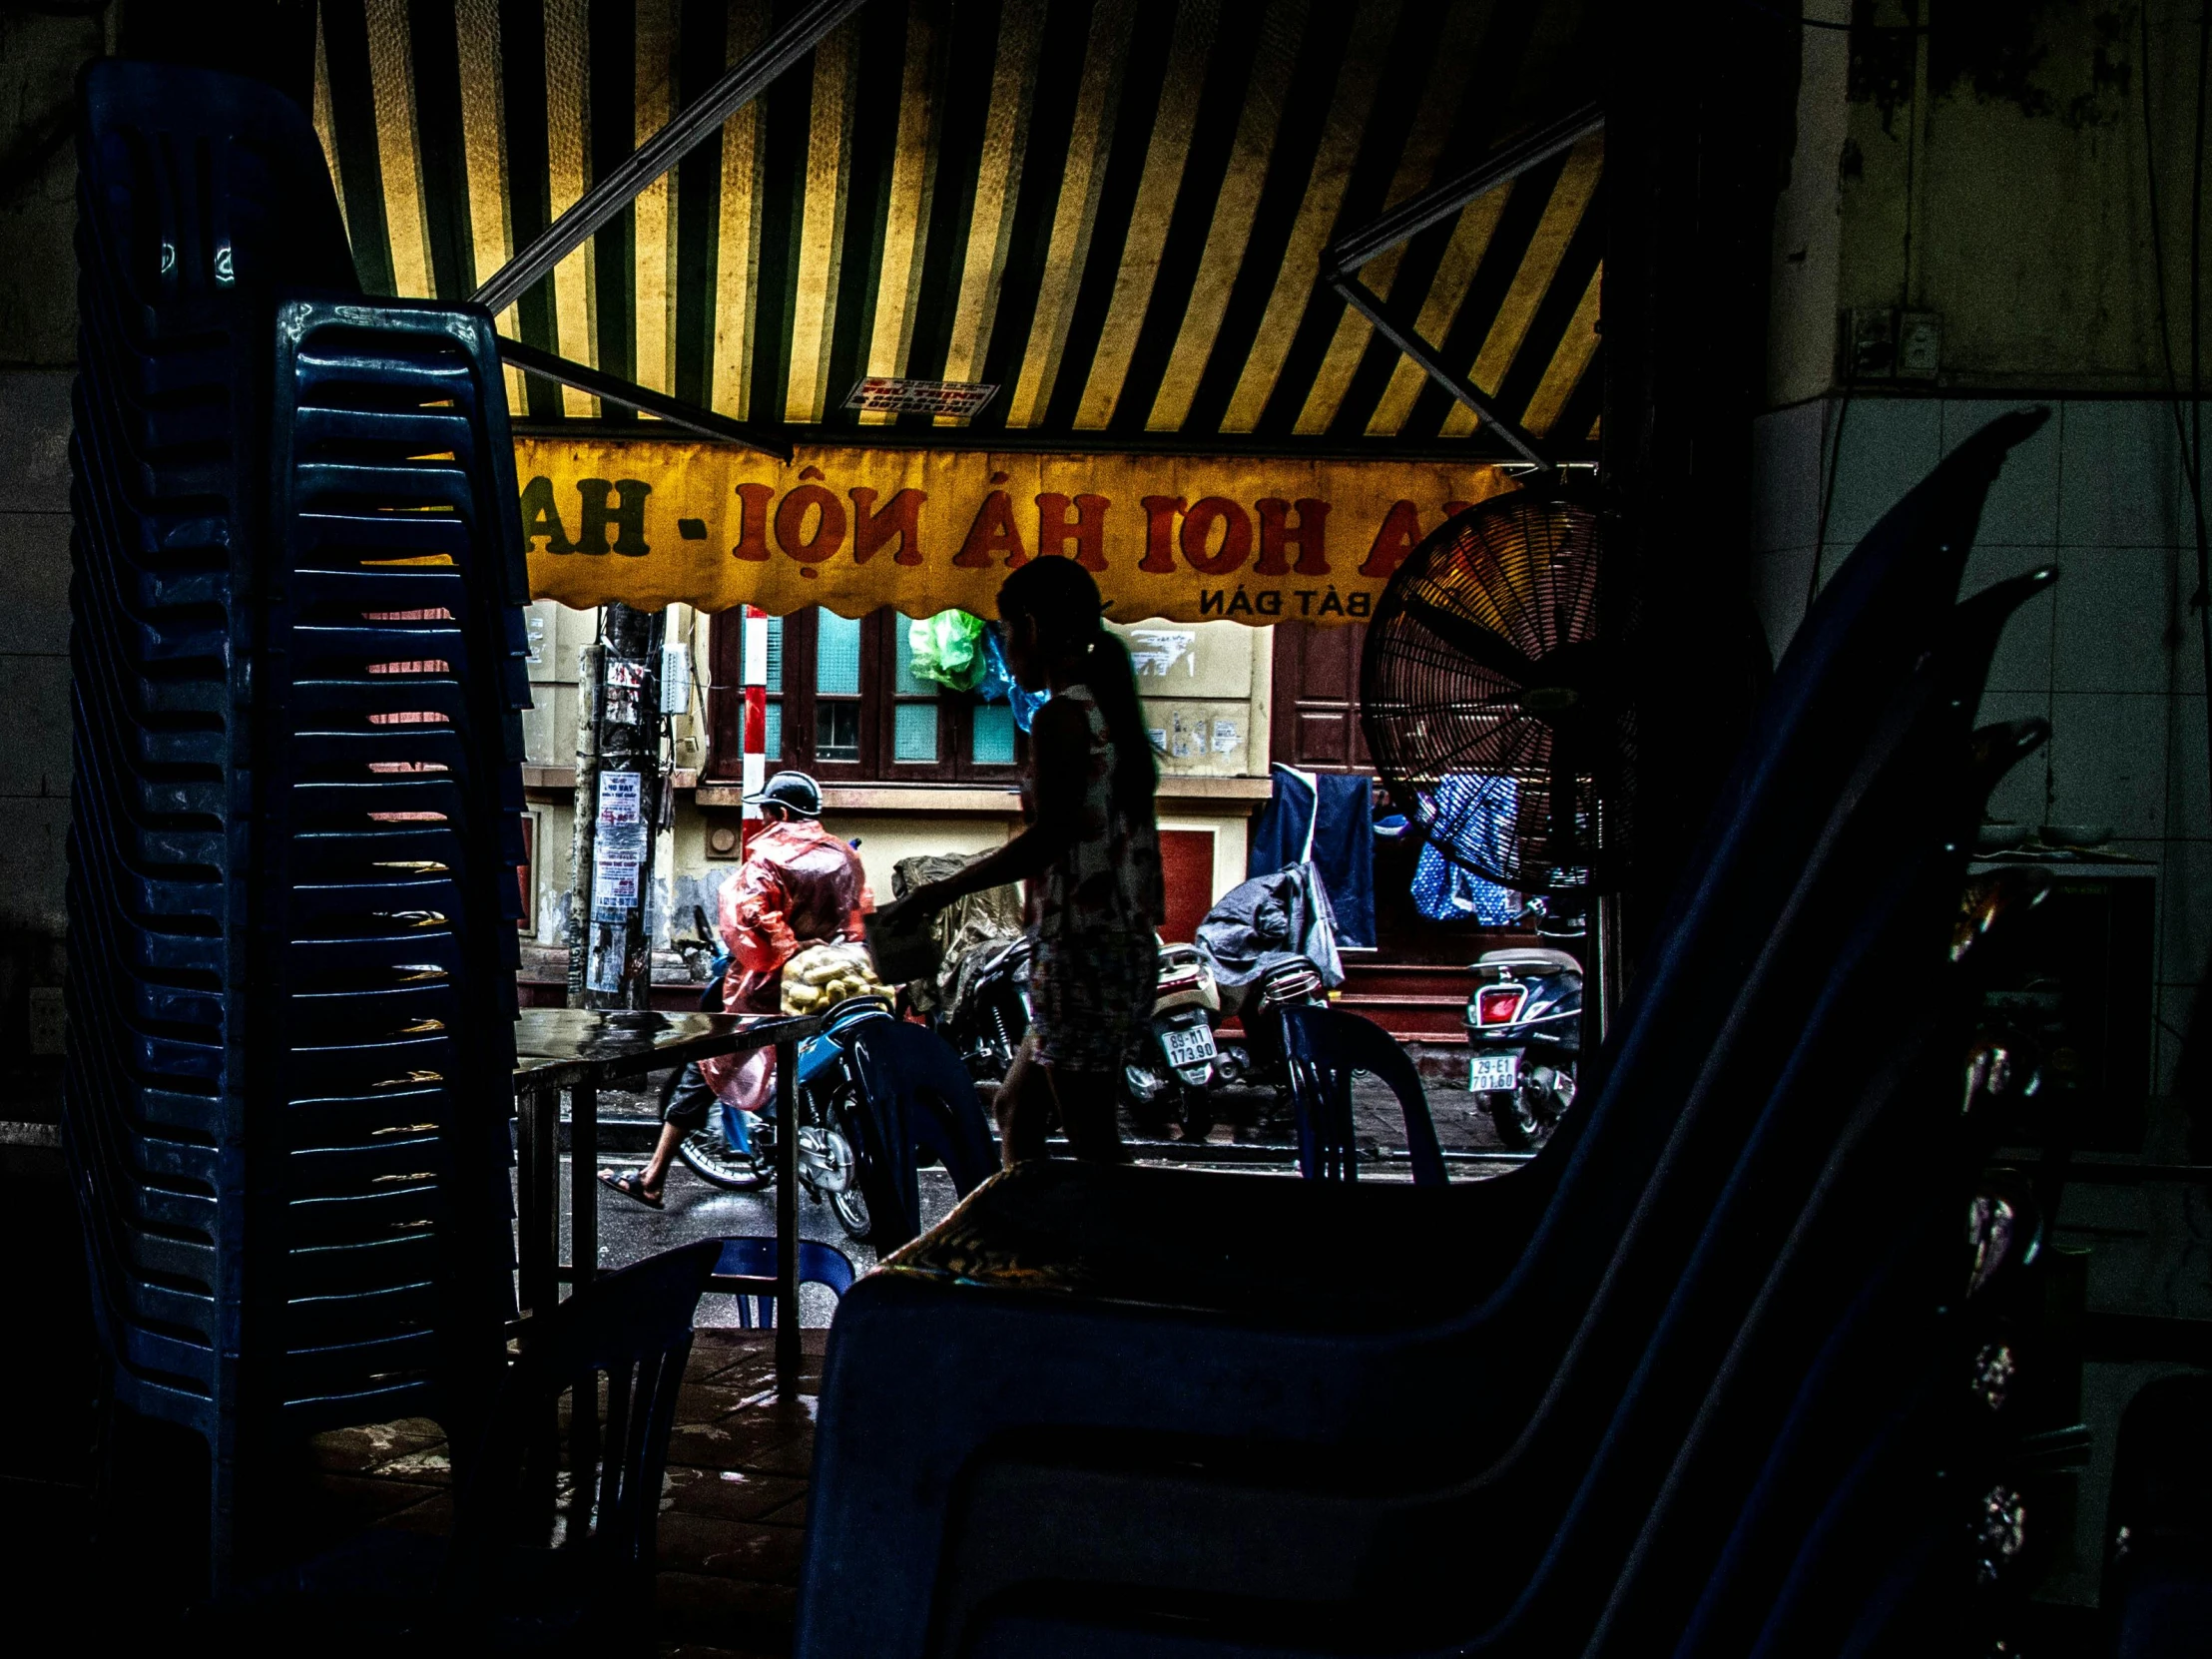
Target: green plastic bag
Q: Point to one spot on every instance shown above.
(947, 649)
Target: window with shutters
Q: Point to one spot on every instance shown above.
(844, 703)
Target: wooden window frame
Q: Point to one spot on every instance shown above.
(954, 765)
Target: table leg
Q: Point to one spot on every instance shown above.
(583, 1184)
(537, 1197)
(787, 1222)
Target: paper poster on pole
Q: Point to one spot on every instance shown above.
(613, 888)
(620, 831)
(606, 965)
(619, 797)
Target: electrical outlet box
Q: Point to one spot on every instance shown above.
(1919, 346)
(1870, 342)
(48, 1026)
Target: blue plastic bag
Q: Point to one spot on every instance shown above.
(999, 686)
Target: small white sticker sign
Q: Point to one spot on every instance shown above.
(1156, 650)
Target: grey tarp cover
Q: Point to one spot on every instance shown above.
(980, 919)
(1267, 920)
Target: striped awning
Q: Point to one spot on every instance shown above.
(1114, 210)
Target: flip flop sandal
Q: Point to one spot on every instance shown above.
(630, 1187)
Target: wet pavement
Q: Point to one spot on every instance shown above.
(732, 1527)
(694, 1208)
(733, 1506)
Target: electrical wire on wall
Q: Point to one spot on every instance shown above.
(2189, 431)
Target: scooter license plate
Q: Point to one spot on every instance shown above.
(1494, 1073)
(1189, 1047)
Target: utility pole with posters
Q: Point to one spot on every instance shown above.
(618, 812)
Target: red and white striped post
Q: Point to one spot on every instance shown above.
(755, 748)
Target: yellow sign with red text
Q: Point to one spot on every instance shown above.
(1189, 538)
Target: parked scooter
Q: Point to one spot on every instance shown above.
(987, 1013)
(735, 1150)
(1268, 944)
(1525, 1039)
(1171, 1077)
(1261, 1061)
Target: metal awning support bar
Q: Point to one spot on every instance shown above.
(1433, 207)
(767, 440)
(1407, 339)
(1440, 202)
(663, 150)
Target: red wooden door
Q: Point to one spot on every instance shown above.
(1187, 864)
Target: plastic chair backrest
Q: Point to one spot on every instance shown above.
(916, 1093)
(746, 1271)
(1326, 1047)
(634, 1329)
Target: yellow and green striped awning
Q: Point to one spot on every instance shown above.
(1115, 210)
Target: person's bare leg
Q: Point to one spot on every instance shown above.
(1089, 1108)
(655, 1173)
(1023, 1108)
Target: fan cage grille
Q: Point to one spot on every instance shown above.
(1489, 690)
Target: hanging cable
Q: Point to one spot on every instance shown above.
(1828, 483)
(2188, 431)
(2201, 600)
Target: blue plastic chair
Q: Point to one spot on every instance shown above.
(1325, 1048)
(916, 1095)
(510, 1578)
(746, 1271)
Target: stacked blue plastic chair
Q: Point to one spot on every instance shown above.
(296, 649)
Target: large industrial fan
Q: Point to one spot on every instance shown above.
(1494, 704)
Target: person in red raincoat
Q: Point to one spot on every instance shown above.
(798, 886)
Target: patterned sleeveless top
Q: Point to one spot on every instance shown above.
(1108, 882)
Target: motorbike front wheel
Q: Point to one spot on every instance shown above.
(708, 1154)
(851, 1209)
(710, 1157)
(841, 1171)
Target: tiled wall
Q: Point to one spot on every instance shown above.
(34, 647)
(2112, 659)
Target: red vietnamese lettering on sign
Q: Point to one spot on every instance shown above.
(1087, 529)
(791, 521)
(1400, 534)
(752, 500)
(994, 534)
(1307, 535)
(1159, 533)
(901, 519)
(1198, 527)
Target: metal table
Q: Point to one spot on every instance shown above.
(576, 1050)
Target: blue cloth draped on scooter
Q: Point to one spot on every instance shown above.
(1476, 813)
(1333, 813)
